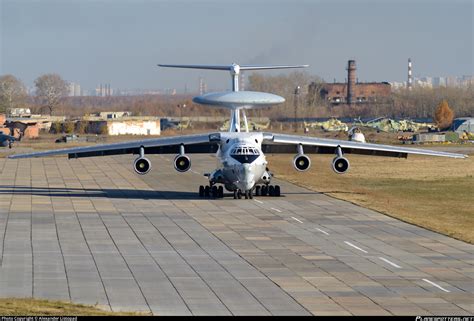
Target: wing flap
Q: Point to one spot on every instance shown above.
(312, 149)
(162, 145)
(329, 145)
(205, 148)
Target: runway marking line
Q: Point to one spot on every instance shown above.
(275, 209)
(436, 285)
(296, 219)
(356, 247)
(256, 200)
(324, 232)
(391, 263)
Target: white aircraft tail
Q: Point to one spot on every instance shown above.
(237, 102)
(234, 69)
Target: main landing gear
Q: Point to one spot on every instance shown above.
(211, 191)
(267, 190)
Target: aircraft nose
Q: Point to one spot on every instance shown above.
(247, 177)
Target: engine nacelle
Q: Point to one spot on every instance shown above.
(182, 163)
(340, 165)
(142, 165)
(301, 162)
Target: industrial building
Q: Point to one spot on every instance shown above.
(27, 127)
(354, 92)
(464, 124)
(121, 123)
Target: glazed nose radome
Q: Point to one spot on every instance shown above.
(247, 177)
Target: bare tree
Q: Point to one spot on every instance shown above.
(12, 93)
(50, 88)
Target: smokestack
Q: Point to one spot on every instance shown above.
(410, 76)
(351, 80)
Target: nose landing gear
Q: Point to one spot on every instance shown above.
(268, 190)
(247, 194)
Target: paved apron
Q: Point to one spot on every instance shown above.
(92, 231)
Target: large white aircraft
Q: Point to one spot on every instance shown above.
(243, 167)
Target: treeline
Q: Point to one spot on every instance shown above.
(415, 103)
(298, 88)
(143, 105)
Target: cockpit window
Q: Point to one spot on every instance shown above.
(245, 154)
(244, 151)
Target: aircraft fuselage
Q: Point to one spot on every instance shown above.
(242, 163)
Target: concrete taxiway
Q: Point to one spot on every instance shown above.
(92, 231)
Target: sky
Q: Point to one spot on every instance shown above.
(121, 41)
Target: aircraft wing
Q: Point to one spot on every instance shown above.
(202, 143)
(282, 143)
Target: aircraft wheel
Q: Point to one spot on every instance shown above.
(235, 194)
(214, 191)
(246, 194)
(271, 190)
(250, 194)
(264, 190)
(239, 194)
(220, 192)
(257, 190)
(201, 191)
(207, 191)
(277, 190)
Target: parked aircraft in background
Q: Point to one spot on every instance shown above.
(243, 167)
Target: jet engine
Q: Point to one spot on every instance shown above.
(142, 165)
(301, 162)
(182, 163)
(340, 165)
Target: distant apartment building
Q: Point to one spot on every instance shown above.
(104, 90)
(436, 82)
(439, 82)
(426, 82)
(74, 90)
(467, 81)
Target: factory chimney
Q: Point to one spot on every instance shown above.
(410, 77)
(351, 80)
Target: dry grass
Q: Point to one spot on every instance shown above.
(435, 193)
(13, 306)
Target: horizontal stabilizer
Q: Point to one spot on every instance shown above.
(210, 67)
(234, 66)
(262, 67)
